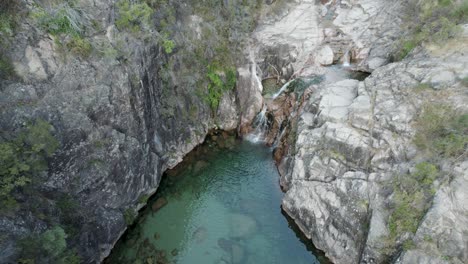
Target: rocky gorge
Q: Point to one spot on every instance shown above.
(147, 91)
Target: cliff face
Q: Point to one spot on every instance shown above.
(123, 112)
(360, 179)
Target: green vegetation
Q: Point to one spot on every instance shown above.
(133, 16)
(442, 134)
(48, 247)
(432, 21)
(80, 46)
(23, 158)
(413, 194)
(464, 81)
(129, 216)
(6, 69)
(143, 199)
(167, 44)
(61, 19)
(8, 10)
(6, 25)
(8, 16)
(220, 81)
(442, 131)
(422, 87)
(67, 23)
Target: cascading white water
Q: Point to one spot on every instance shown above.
(346, 59)
(260, 127)
(279, 137)
(255, 78)
(283, 88)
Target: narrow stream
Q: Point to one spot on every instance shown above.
(223, 206)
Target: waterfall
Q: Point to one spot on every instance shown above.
(279, 137)
(253, 70)
(346, 59)
(260, 127)
(283, 88)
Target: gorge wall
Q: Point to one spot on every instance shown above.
(123, 110)
(357, 146)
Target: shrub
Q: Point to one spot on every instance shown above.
(61, 19)
(442, 131)
(6, 69)
(217, 85)
(48, 247)
(168, 45)
(67, 23)
(129, 216)
(24, 157)
(6, 25)
(134, 17)
(8, 14)
(80, 46)
(53, 241)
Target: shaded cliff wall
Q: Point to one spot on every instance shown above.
(124, 102)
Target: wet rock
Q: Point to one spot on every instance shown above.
(238, 253)
(324, 56)
(235, 251)
(199, 166)
(156, 236)
(249, 94)
(225, 244)
(200, 235)
(158, 204)
(241, 225)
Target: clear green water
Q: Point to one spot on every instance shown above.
(224, 207)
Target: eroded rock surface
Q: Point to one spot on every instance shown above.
(352, 139)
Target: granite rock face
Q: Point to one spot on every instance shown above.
(353, 137)
(350, 138)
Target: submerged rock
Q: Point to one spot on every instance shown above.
(200, 235)
(235, 250)
(199, 166)
(158, 204)
(241, 225)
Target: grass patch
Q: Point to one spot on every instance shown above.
(431, 21)
(79, 46)
(412, 198)
(67, 24)
(134, 17)
(442, 132)
(61, 19)
(422, 87)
